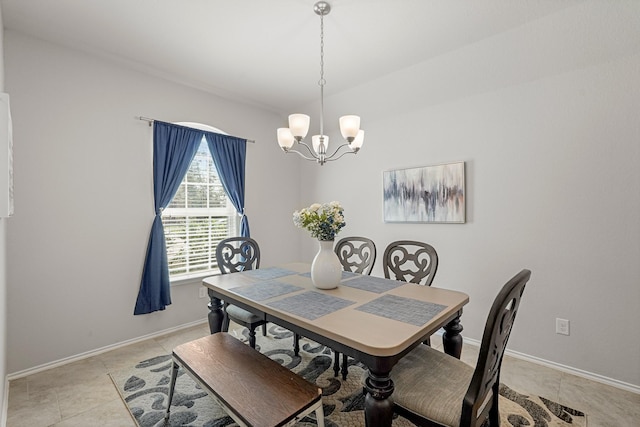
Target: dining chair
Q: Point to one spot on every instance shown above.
(410, 261)
(233, 255)
(357, 255)
(435, 389)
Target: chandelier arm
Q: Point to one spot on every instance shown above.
(291, 150)
(309, 149)
(331, 159)
(338, 149)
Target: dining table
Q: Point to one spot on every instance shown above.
(374, 320)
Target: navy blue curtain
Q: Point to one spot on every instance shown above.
(229, 154)
(174, 147)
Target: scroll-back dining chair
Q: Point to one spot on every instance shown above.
(410, 261)
(357, 255)
(236, 254)
(435, 389)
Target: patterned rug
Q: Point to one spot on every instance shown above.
(144, 389)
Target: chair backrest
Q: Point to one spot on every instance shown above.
(478, 403)
(410, 261)
(237, 254)
(356, 254)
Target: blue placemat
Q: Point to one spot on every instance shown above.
(345, 274)
(268, 273)
(373, 284)
(310, 305)
(405, 310)
(265, 290)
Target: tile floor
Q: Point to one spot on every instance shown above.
(82, 394)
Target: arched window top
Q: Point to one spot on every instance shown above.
(199, 216)
(202, 126)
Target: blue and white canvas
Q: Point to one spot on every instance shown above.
(425, 194)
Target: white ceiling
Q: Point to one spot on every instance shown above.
(267, 53)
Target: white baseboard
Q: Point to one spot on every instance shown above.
(5, 403)
(57, 363)
(568, 369)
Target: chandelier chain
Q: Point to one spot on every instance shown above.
(322, 81)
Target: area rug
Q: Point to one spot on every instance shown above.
(145, 387)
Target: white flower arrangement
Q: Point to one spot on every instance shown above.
(323, 221)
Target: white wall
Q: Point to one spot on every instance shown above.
(546, 117)
(83, 198)
(3, 266)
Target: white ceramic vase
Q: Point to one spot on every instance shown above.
(326, 270)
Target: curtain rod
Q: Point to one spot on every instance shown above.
(150, 121)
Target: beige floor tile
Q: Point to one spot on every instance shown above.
(436, 341)
(527, 377)
(18, 390)
(111, 414)
(39, 410)
(604, 405)
(170, 341)
(470, 354)
(125, 357)
(81, 370)
(77, 397)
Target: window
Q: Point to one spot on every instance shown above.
(197, 219)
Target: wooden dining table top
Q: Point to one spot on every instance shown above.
(376, 316)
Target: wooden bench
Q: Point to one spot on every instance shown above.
(253, 389)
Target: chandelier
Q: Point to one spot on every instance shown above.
(299, 123)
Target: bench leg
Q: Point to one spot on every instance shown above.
(336, 363)
(320, 416)
(264, 330)
(172, 386)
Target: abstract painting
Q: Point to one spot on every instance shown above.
(425, 194)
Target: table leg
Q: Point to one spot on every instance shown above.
(378, 407)
(451, 339)
(216, 316)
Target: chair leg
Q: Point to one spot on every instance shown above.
(172, 386)
(264, 329)
(494, 414)
(225, 319)
(345, 367)
(336, 363)
(252, 338)
(296, 344)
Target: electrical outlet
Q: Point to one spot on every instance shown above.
(562, 326)
(202, 292)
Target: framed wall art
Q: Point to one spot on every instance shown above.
(425, 194)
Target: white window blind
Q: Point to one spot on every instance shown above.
(197, 219)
